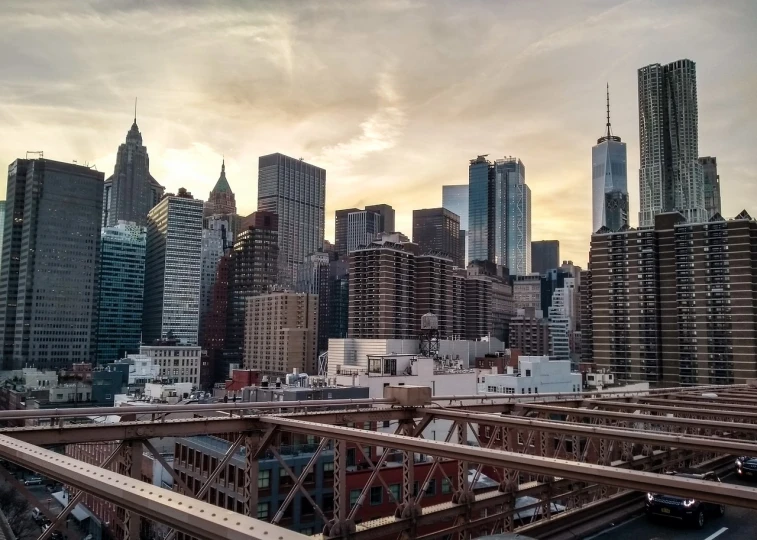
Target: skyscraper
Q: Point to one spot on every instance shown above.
(341, 230)
(455, 199)
(518, 215)
(545, 255)
(711, 185)
(296, 192)
(362, 228)
(173, 269)
(2, 228)
(609, 180)
(122, 277)
(131, 192)
(217, 238)
(221, 199)
(499, 214)
(438, 230)
(51, 251)
(670, 175)
(253, 271)
(386, 212)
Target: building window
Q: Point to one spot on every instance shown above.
(528, 373)
(328, 467)
(264, 479)
(387, 423)
(264, 510)
(431, 489)
(376, 495)
(446, 486)
(394, 489)
(354, 496)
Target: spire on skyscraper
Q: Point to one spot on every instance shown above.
(608, 136)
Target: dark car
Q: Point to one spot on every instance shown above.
(691, 511)
(746, 467)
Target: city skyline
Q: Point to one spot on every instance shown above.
(404, 126)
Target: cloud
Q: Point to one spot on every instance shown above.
(392, 98)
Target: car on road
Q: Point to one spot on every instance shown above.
(690, 511)
(746, 467)
(33, 481)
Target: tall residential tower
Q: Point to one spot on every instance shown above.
(670, 175)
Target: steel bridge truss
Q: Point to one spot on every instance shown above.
(572, 450)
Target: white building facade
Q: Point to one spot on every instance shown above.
(177, 363)
(535, 375)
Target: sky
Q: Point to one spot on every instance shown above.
(392, 97)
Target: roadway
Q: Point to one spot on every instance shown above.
(736, 524)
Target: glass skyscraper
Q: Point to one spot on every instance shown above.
(172, 269)
(609, 181)
(2, 227)
(455, 199)
(499, 214)
(51, 252)
(122, 278)
(670, 175)
(296, 192)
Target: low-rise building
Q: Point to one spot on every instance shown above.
(534, 375)
(178, 363)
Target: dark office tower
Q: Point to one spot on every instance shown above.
(587, 318)
(438, 230)
(2, 228)
(433, 291)
(341, 230)
(314, 279)
(545, 255)
(132, 191)
(339, 299)
(455, 199)
(173, 269)
(217, 239)
(488, 301)
(609, 184)
(711, 185)
(529, 333)
(382, 290)
(214, 330)
(499, 214)
(681, 313)
(670, 175)
(387, 216)
(221, 199)
(459, 277)
(253, 271)
(51, 249)
(296, 192)
(122, 278)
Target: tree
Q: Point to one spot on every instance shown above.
(17, 511)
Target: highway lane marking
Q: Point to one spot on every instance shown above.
(716, 534)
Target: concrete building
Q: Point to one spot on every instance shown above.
(122, 279)
(499, 213)
(382, 299)
(178, 363)
(51, 254)
(670, 174)
(711, 185)
(217, 239)
(545, 255)
(253, 271)
(173, 269)
(527, 292)
(143, 369)
(281, 333)
(386, 224)
(562, 321)
(488, 301)
(609, 180)
(315, 278)
(363, 227)
(2, 229)
(296, 192)
(339, 299)
(438, 230)
(530, 333)
(341, 229)
(131, 192)
(455, 199)
(535, 375)
(352, 355)
(682, 311)
(433, 288)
